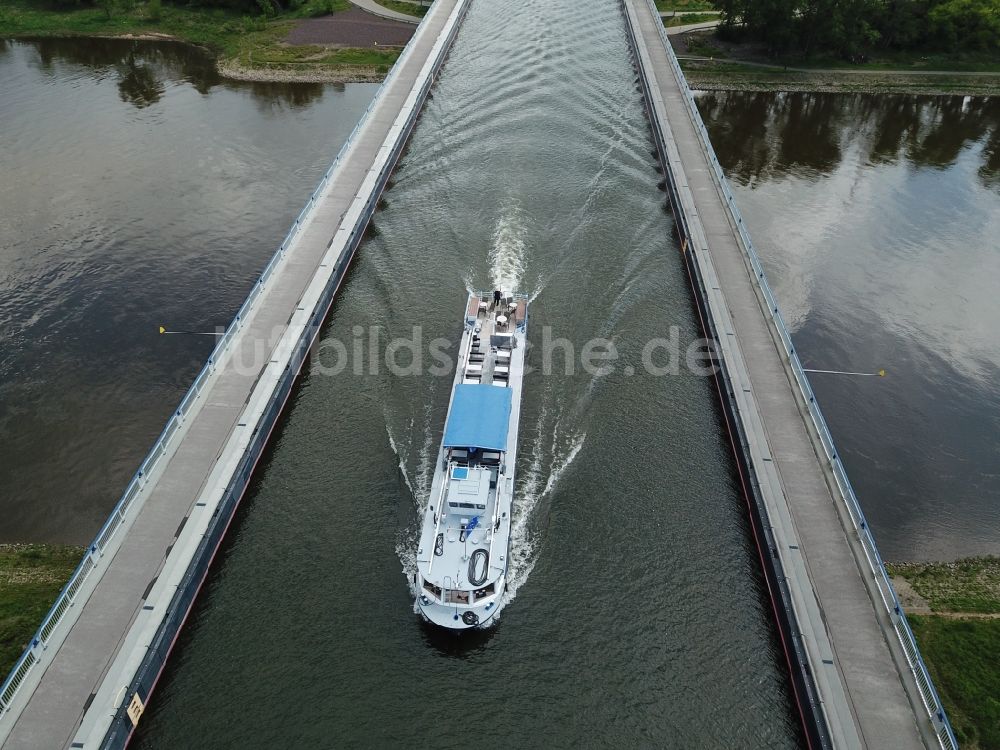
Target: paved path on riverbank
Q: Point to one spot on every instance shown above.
(915, 604)
(380, 10)
(673, 30)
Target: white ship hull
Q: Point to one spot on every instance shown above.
(464, 549)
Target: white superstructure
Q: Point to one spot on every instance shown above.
(464, 547)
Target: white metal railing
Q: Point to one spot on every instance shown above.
(439, 515)
(928, 695)
(120, 514)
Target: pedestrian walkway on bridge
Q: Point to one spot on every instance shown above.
(96, 659)
(857, 676)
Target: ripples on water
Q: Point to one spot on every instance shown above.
(876, 217)
(638, 619)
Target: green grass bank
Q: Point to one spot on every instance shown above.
(958, 631)
(31, 576)
(409, 9)
(714, 64)
(245, 47)
(665, 6)
(689, 18)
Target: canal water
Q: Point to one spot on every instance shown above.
(637, 612)
(136, 188)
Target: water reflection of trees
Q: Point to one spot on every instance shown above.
(138, 83)
(989, 172)
(764, 135)
(143, 69)
(292, 95)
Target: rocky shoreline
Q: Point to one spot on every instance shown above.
(340, 74)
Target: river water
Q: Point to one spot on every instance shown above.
(138, 189)
(877, 219)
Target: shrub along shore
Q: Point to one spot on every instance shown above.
(246, 46)
(904, 46)
(859, 29)
(736, 76)
(713, 63)
(247, 40)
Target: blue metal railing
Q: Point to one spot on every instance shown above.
(119, 515)
(928, 694)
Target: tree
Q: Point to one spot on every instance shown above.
(968, 23)
(852, 28)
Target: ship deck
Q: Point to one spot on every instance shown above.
(465, 536)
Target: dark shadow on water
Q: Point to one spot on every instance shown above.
(144, 68)
(138, 84)
(897, 269)
(459, 644)
(761, 136)
(283, 95)
(989, 172)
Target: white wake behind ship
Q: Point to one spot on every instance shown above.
(464, 549)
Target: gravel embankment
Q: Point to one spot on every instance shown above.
(338, 74)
